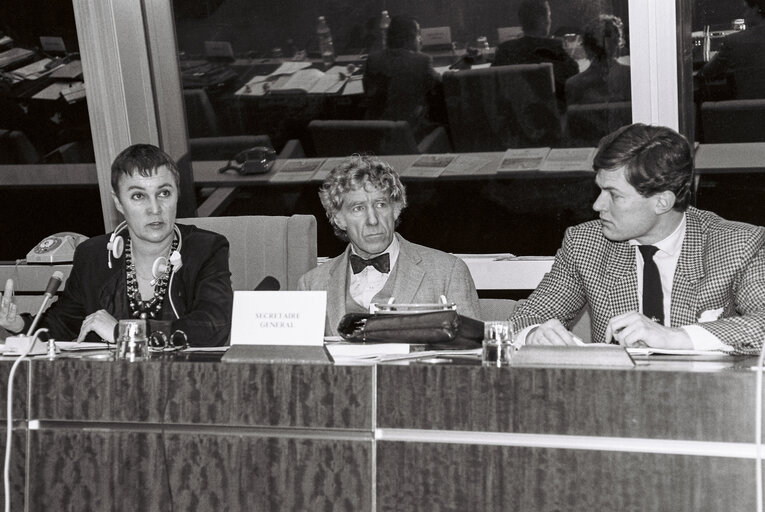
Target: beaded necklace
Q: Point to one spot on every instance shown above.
(146, 308)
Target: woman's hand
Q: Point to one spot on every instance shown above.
(9, 318)
(101, 323)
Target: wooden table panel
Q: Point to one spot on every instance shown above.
(147, 471)
(641, 402)
(204, 393)
(435, 477)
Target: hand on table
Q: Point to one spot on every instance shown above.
(101, 323)
(552, 332)
(635, 330)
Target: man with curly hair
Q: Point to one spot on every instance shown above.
(363, 198)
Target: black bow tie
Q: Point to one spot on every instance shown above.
(381, 263)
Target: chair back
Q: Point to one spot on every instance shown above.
(343, 138)
(200, 116)
(497, 108)
(733, 121)
(587, 124)
(260, 246)
(16, 148)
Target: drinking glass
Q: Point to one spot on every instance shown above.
(498, 343)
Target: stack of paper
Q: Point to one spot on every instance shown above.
(568, 159)
(529, 159)
(296, 170)
(344, 352)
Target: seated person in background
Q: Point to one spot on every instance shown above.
(536, 46)
(166, 271)
(400, 83)
(742, 54)
(606, 79)
(653, 270)
(363, 198)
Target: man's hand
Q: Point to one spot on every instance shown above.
(635, 330)
(9, 319)
(101, 323)
(551, 332)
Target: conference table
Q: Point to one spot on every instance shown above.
(195, 433)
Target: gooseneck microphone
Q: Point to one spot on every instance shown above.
(53, 285)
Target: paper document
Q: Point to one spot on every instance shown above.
(428, 166)
(295, 170)
(648, 351)
(529, 159)
(73, 346)
(33, 71)
(568, 159)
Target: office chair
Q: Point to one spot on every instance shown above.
(502, 107)
(343, 138)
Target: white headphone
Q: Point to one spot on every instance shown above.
(116, 246)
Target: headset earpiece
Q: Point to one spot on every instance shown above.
(175, 260)
(116, 244)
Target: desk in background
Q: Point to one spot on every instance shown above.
(205, 435)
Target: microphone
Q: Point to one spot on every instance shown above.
(268, 284)
(53, 285)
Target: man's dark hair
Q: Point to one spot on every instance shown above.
(533, 14)
(402, 32)
(143, 159)
(656, 158)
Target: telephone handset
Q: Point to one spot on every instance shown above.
(57, 248)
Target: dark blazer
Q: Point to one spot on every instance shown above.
(401, 85)
(743, 55)
(422, 276)
(201, 290)
(535, 50)
(721, 269)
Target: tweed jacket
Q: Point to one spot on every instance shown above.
(423, 275)
(720, 273)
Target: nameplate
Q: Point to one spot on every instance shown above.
(436, 36)
(507, 33)
(278, 318)
(588, 355)
(52, 44)
(219, 50)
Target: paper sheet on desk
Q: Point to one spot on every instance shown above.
(73, 346)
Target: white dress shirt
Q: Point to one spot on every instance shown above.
(368, 283)
(666, 258)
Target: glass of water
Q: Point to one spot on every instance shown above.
(498, 343)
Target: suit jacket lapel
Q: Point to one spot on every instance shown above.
(622, 280)
(336, 289)
(689, 271)
(409, 275)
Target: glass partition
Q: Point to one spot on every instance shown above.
(264, 69)
(43, 111)
(44, 125)
(729, 70)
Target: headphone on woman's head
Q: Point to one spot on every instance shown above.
(116, 246)
(116, 243)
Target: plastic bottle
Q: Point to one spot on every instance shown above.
(326, 47)
(384, 24)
